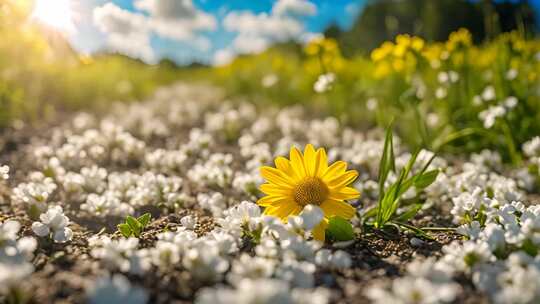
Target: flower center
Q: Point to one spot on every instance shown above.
(310, 191)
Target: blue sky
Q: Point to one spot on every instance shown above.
(90, 37)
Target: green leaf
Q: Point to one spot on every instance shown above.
(409, 213)
(387, 160)
(124, 229)
(422, 181)
(340, 229)
(144, 219)
(134, 225)
(386, 164)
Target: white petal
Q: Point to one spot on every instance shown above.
(58, 221)
(11, 228)
(40, 229)
(27, 245)
(312, 216)
(63, 235)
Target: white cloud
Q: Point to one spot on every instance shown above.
(258, 31)
(182, 29)
(223, 57)
(294, 8)
(267, 26)
(128, 32)
(167, 9)
(135, 45)
(245, 43)
(110, 18)
(176, 19)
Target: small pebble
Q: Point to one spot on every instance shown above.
(416, 242)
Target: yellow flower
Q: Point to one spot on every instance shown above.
(384, 50)
(308, 180)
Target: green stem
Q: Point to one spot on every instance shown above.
(512, 150)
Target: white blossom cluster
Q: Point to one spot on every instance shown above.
(4, 172)
(187, 149)
(499, 256)
(15, 256)
(53, 224)
(494, 110)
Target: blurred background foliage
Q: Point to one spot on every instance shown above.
(40, 74)
(382, 20)
(459, 75)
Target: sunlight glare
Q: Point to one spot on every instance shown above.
(54, 13)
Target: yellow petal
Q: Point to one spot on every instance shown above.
(309, 160)
(345, 193)
(337, 208)
(272, 200)
(284, 165)
(335, 169)
(319, 231)
(275, 176)
(321, 161)
(297, 162)
(271, 189)
(343, 179)
(284, 210)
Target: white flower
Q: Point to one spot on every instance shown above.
(324, 82)
(165, 254)
(472, 230)
(490, 115)
(8, 231)
(371, 104)
(310, 296)
(411, 290)
(189, 222)
(264, 291)
(442, 77)
(121, 254)
(298, 274)
(532, 147)
(12, 275)
(337, 260)
(441, 93)
(494, 235)
(247, 267)
(269, 80)
(488, 93)
(35, 193)
(4, 172)
(511, 74)
(244, 215)
(115, 289)
(205, 262)
(53, 222)
(464, 257)
(312, 216)
(510, 102)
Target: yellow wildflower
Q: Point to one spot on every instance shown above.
(308, 180)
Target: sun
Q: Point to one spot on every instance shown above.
(57, 14)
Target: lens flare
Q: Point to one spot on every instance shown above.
(57, 14)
